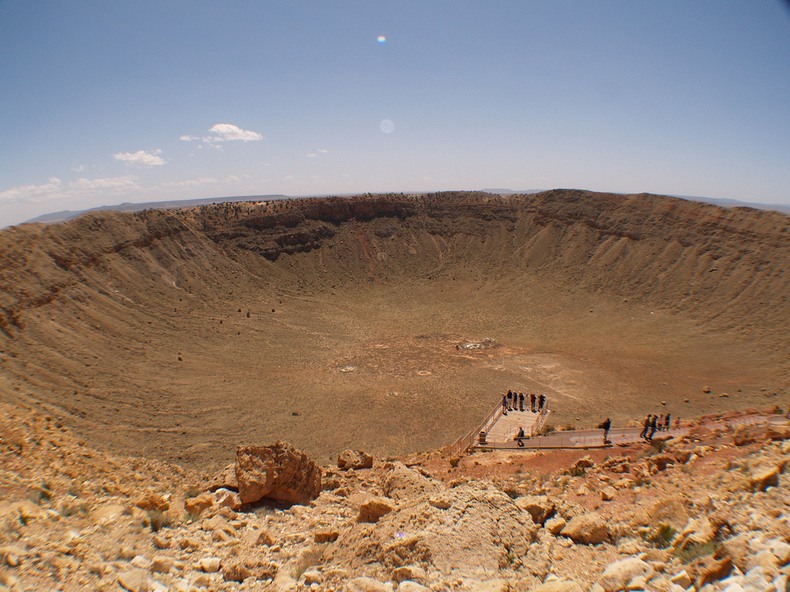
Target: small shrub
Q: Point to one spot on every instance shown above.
(695, 551)
(158, 520)
(663, 536)
(193, 492)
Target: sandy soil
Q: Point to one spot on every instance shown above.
(179, 335)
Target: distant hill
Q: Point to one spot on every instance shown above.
(153, 205)
(723, 202)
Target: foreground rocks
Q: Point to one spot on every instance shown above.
(713, 518)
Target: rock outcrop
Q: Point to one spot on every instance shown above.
(279, 472)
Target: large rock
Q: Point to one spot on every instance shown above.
(279, 472)
(763, 477)
(589, 529)
(540, 507)
(621, 575)
(354, 459)
(374, 508)
(480, 533)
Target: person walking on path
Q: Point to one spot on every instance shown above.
(653, 428)
(509, 400)
(645, 427)
(605, 427)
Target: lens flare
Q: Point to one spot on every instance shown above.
(381, 39)
(386, 126)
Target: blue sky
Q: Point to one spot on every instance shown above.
(108, 102)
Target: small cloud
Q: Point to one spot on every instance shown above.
(82, 184)
(317, 153)
(224, 132)
(52, 189)
(79, 169)
(227, 132)
(141, 157)
(191, 182)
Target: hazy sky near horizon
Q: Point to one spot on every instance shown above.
(111, 102)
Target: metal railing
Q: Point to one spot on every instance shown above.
(464, 442)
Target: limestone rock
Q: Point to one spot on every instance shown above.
(764, 477)
(559, 585)
(777, 432)
(413, 573)
(401, 482)
(225, 479)
(555, 524)
(620, 574)
(354, 459)
(608, 493)
(152, 501)
(669, 510)
(198, 504)
(209, 564)
(225, 498)
(364, 584)
(374, 508)
(235, 571)
(161, 564)
(280, 472)
(134, 580)
(410, 586)
(712, 570)
(589, 529)
(540, 507)
(581, 465)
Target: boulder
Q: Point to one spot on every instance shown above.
(620, 574)
(134, 580)
(198, 504)
(225, 498)
(777, 432)
(279, 472)
(712, 570)
(374, 508)
(763, 477)
(354, 459)
(401, 482)
(225, 479)
(608, 493)
(589, 529)
(559, 585)
(540, 507)
(152, 501)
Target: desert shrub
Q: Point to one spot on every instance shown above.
(662, 536)
(454, 461)
(192, 492)
(777, 410)
(695, 551)
(158, 520)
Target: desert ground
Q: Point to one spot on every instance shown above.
(152, 365)
(336, 323)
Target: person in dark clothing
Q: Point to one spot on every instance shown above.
(653, 428)
(605, 427)
(645, 427)
(532, 402)
(521, 401)
(504, 404)
(542, 402)
(667, 423)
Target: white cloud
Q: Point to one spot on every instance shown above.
(141, 157)
(317, 153)
(79, 169)
(33, 193)
(224, 132)
(191, 182)
(82, 184)
(227, 132)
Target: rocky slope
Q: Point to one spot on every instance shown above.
(207, 327)
(708, 512)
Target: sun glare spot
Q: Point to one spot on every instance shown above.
(387, 126)
(381, 39)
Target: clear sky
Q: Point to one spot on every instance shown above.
(108, 102)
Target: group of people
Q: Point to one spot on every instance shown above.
(656, 423)
(515, 401)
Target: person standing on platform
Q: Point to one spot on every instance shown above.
(605, 427)
(521, 401)
(532, 402)
(542, 402)
(645, 427)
